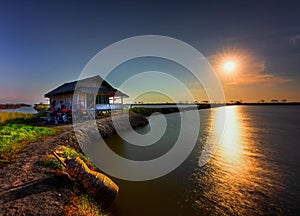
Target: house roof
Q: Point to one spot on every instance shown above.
(107, 91)
(84, 86)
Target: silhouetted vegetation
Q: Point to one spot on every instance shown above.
(13, 106)
(147, 111)
(42, 107)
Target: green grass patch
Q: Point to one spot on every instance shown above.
(15, 137)
(80, 203)
(16, 118)
(148, 111)
(65, 153)
(52, 163)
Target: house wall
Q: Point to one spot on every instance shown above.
(80, 103)
(66, 99)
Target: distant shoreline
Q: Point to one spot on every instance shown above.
(13, 106)
(148, 109)
(173, 105)
(268, 104)
(207, 105)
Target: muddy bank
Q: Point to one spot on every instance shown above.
(27, 187)
(106, 127)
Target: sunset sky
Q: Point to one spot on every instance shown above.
(46, 43)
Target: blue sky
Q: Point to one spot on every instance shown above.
(46, 43)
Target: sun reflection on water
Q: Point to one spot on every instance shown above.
(231, 148)
(232, 174)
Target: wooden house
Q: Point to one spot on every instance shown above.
(92, 93)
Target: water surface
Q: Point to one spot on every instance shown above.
(27, 110)
(255, 169)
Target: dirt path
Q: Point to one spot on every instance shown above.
(28, 188)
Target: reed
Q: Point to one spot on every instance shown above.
(15, 117)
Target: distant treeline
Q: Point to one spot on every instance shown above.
(13, 106)
(147, 111)
(41, 107)
(264, 103)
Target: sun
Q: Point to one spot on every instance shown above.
(229, 66)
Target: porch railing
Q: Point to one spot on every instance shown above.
(100, 107)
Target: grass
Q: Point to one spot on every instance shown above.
(148, 111)
(15, 117)
(15, 137)
(66, 153)
(15, 134)
(53, 163)
(80, 203)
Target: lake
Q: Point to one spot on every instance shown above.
(255, 170)
(26, 110)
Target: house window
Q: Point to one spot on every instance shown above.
(102, 99)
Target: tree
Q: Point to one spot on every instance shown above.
(284, 100)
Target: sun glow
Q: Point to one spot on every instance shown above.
(229, 66)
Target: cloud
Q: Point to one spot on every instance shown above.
(294, 39)
(255, 74)
(259, 78)
(250, 70)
